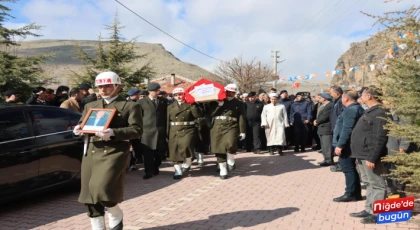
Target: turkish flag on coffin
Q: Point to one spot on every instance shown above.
(203, 91)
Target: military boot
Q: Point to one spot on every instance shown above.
(98, 223)
(223, 170)
(178, 171)
(231, 161)
(115, 218)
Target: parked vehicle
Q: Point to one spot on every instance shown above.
(37, 149)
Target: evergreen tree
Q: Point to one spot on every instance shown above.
(21, 73)
(400, 83)
(113, 54)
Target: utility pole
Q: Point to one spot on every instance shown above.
(275, 66)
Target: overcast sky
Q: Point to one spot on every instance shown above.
(310, 34)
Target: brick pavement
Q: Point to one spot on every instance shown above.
(264, 192)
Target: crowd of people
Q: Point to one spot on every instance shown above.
(152, 125)
(74, 99)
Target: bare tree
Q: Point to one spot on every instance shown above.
(249, 76)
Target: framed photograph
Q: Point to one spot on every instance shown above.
(97, 119)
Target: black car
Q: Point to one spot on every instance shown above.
(37, 149)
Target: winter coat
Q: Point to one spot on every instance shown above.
(105, 162)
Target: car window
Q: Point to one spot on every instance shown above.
(13, 126)
(50, 121)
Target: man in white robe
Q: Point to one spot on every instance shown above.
(274, 121)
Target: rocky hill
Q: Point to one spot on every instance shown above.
(163, 62)
(366, 52)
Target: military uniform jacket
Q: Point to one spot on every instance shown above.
(105, 162)
(224, 133)
(154, 123)
(181, 135)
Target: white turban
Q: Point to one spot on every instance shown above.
(273, 95)
(245, 95)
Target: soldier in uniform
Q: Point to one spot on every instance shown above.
(135, 155)
(105, 161)
(202, 142)
(153, 141)
(254, 109)
(229, 124)
(133, 94)
(181, 131)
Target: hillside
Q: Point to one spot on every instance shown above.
(162, 61)
(366, 52)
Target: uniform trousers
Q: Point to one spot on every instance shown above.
(152, 160)
(98, 209)
(221, 157)
(136, 144)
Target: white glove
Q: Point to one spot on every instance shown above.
(76, 131)
(105, 135)
(221, 103)
(242, 136)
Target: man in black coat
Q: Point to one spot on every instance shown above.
(38, 97)
(300, 117)
(253, 121)
(336, 93)
(61, 94)
(87, 97)
(313, 135)
(324, 128)
(153, 141)
(284, 100)
(368, 146)
(341, 141)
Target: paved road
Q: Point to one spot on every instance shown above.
(264, 192)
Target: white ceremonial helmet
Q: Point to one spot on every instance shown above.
(231, 88)
(107, 78)
(178, 90)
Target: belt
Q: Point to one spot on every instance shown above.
(183, 123)
(226, 118)
(95, 138)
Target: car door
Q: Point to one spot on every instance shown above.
(60, 151)
(19, 157)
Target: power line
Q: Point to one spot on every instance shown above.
(314, 23)
(168, 33)
(345, 12)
